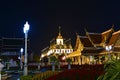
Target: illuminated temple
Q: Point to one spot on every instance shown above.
(93, 48)
(59, 47)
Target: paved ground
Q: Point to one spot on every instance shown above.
(14, 76)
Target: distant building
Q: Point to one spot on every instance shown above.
(58, 47)
(10, 47)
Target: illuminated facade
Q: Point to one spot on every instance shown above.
(93, 48)
(96, 48)
(58, 46)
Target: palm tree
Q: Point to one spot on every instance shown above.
(112, 71)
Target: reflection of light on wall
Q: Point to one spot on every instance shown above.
(60, 41)
(91, 58)
(48, 53)
(63, 58)
(118, 57)
(42, 55)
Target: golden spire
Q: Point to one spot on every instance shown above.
(112, 27)
(59, 34)
(86, 31)
(59, 31)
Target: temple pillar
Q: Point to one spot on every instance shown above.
(75, 60)
(98, 59)
(72, 60)
(83, 59)
(79, 60)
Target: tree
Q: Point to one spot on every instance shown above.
(112, 71)
(53, 59)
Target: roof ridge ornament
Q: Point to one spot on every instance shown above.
(59, 34)
(59, 31)
(113, 27)
(89, 37)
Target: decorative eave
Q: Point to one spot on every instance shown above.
(114, 38)
(75, 53)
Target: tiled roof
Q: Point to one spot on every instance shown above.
(106, 35)
(92, 51)
(95, 37)
(116, 49)
(114, 37)
(85, 41)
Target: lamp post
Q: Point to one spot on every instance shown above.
(108, 48)
(26, 29)
(20, 58)
(21, 53)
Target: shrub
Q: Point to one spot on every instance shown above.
(29, 77)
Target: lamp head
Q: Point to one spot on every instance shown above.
(21, 50)
(26, 27)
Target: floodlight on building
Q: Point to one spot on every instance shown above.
(108, 49)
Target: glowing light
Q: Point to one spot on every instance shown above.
(63, 58)
(26, 27)
(21, 50)
(42, 55)
(108, 48)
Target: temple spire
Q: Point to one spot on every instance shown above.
(86, 31)
(59, 31)
(59, 39)
(112, 27)
(59, 34)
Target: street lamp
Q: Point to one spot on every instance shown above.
(20, 58)
(21, 53)
(26, 29)
(108, 48)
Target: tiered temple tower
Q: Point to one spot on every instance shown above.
(58, 47)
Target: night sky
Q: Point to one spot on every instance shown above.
(45, 16)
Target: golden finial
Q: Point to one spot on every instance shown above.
(76, 33)
(112, 27)
(86, 31)
(59, 30)
(59, 34)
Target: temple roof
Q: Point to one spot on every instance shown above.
(106, 35)
(73, 54)
(116, 49)
(95, 37)
(114, 37)
(92, 51)
(85, 41)
(94, 42)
